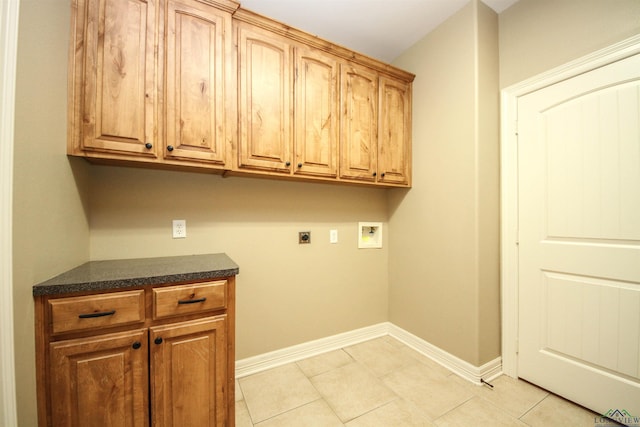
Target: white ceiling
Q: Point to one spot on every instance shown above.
(382, 29)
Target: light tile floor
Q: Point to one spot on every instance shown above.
(382, 383)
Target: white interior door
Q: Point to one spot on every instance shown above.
(579, 237)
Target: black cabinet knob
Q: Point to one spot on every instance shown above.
(169, 147)
(158, 340)
(299, 165)
(287, 164)
(148, 145)
(136, 345)
(374, 174)
(382, 174)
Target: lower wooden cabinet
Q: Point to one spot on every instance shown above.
(172, 367)
(100, 381)
(188, 372)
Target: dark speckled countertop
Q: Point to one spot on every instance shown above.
(127, 273)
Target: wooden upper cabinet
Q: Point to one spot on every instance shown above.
(359, 125)
(113, 102)
(265, 98)
(394, 136)
(197, 42)
(100, 381)
(316, 113)
(205, 84)
(188, 374)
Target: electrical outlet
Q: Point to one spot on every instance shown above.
(304, 237)
(179, 228)
(333, 236)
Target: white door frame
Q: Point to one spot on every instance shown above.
(509, 182)
(8, 57)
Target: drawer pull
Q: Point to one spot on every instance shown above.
(191, 301)
(100, 314)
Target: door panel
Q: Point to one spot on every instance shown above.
(188, 373)
(317, 96)
(196, 53)
(394, 138)
(579, 251)
(265, 100)
(359, 127)
(100, 381)
(118, 107)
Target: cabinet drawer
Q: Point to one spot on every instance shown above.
(189, 299)
(96, 311)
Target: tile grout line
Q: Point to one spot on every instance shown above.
(454, 408)
(533, 407)
(289, 410)
(353, 360)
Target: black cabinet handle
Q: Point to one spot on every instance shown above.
(382, 174)
(287, 164)
(299, 165)
(191, 301)
(374, 174)
(136, 345)
(158, 340)
(148, 145)
(100, 314)
(169, 147)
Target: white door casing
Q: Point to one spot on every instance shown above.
(509, 181)
(579, 237)
(9, 11)
(620, 242)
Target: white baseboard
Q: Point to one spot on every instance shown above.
(466, 370)
(252, 365)
(261, 362)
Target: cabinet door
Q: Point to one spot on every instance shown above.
(188, 373)
(316, 115)
(394, 137)
(359, 123)
(114, 82)
(265, 100)
(196, 69)
(100, 381)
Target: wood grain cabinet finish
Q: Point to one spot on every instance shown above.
(197, 68)
(207, 86)
(394, 135)
(170, 370)
(265, 97)
(188, 373)
(359, 131)
(188, 299)
(100, 381)
(113, 104)
(288, 105)
(148, 81)
(96, 311)
(316, 114)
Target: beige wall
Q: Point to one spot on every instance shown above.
(436, 275)
(51, 232)
(487, 148)
(287, 293)
(538, 35)
(443, 259)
